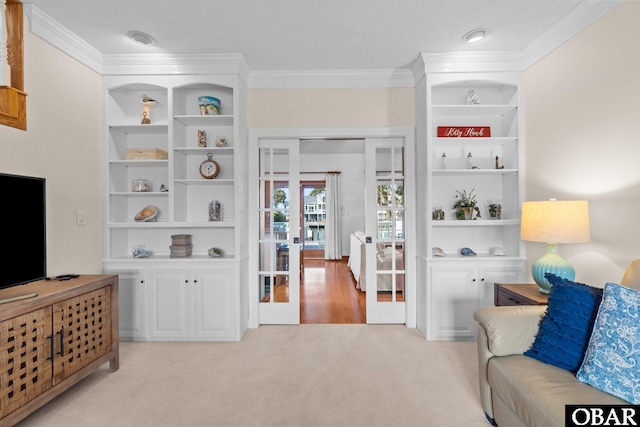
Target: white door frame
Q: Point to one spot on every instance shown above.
(408, 133)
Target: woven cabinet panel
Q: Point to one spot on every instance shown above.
(25, 364)
(83, 331)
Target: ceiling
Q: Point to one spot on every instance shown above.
(313, 34)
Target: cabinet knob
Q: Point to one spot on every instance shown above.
(482, 279)
(141, 281)
(473, 280)
(195, 281)
(186, 281)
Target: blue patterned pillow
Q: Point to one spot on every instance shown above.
(612, 360)
(565, 329)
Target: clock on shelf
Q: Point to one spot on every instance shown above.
(209, 169)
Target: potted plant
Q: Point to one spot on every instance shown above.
(466, 204)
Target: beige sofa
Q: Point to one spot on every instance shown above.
(516, 390)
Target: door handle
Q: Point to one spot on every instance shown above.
(51, 347)
(61, 353)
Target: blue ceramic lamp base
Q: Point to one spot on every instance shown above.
(551, 262)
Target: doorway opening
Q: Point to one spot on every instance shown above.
(327, 292)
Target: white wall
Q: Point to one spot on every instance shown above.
(318, 108)
(61, 144)
(582, 109)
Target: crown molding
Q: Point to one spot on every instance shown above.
(164, 63)
(286, 79)
(583, 15)
(458, 62)
(50, 30)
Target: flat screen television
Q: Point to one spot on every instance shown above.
(23, 251)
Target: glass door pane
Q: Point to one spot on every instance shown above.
(313, 216)
(390, 223)
(278, 270)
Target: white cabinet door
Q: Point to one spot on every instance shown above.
(215, 307)
(451, 298)
(456, 290)
(132, 300)
(170, 296)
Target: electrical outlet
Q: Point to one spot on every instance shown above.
(80, 217)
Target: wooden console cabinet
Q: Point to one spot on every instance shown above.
(519, 294)
(52, 340)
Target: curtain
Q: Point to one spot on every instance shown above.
(332, 228)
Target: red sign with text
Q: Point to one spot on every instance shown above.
(464, 131)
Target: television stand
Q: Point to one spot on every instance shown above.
(18, 298)
(63, 331)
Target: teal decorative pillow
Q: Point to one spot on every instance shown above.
(612, 360)
(565, 329)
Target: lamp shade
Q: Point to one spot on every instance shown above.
(555, 221)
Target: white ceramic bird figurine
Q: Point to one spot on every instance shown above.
(147, 101)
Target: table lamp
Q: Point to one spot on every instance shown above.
(554, 221)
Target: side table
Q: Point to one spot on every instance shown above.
(519, 294)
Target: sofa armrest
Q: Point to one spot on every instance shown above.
(510, 330)
(503, 331)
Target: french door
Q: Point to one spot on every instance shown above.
(275, 223)
(278, 217)
(385, 230)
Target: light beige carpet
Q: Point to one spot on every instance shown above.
(307, 375)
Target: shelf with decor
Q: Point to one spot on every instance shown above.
(157, 167)
(473, 145)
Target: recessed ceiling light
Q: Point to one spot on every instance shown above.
(474, 36)
(141, 38)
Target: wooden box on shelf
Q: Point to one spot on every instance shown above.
(146, 154)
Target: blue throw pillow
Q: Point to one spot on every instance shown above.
(565, 329)
(612, 360)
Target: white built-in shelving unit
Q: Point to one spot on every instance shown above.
(451, 287)
(198, 297)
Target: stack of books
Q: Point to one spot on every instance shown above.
(181, 245)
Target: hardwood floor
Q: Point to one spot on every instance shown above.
(328, 293)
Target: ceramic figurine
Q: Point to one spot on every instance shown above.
(473, 98)
(148, 102)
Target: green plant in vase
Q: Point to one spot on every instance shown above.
(466, 204)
